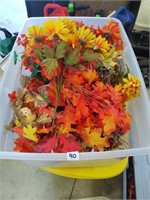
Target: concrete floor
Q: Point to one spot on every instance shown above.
(19, 181)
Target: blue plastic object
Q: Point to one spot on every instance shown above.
(125, 16)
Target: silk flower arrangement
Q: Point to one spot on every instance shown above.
(76, 94)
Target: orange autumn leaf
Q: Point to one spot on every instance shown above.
(81, 106)
(18, 130)
(115, 96)
(43, 130)
(92, 137)
(124, 122)
(75, 78)
(90, 76)
(23, 145)
(66, 119)
(100, 90)
(109, 125)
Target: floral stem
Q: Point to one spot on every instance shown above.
(57, 89)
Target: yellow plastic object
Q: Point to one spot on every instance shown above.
(102, 172)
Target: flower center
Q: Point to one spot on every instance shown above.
(37, 39)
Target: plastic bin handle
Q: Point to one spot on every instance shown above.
(55, 6)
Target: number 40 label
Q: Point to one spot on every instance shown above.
(73, 155)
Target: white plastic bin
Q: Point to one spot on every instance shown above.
(139, 136)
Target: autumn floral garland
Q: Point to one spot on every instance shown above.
(75, 97)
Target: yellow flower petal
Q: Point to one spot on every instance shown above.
(35, 34)
(86, 37)
(131, 87)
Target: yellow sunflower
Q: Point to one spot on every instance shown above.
(85, 37)
(102, 45)
(70, 24)
(59, 29)
(35, 34)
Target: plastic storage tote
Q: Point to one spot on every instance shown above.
(139, 137)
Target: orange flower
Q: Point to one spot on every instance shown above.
(111, 32)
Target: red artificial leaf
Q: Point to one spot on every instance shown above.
(34, 84)
(46, 145)
(23, 145)
(67, 144)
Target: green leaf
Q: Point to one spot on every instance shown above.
(73, 58)
(35, 71)
(23, 56)
(38, 54)
(87, 56)
(60, 50)
(47, 51)
(50, 64)
(15, 57)
(80, 67)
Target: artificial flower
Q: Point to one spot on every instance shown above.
(111, 32)
(131, 87)
(55, 29)
(35, 34)
(85, 37)
(72, 40)
(102, 45)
